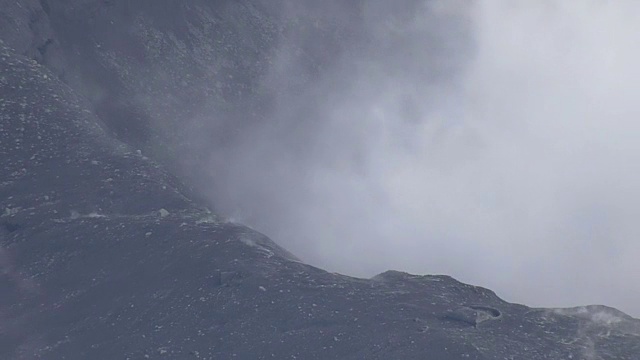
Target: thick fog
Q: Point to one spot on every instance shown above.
(496, 142)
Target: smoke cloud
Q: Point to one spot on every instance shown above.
(494, 141)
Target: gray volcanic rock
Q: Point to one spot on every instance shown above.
(148, 68)
(152, 69)
(105, 255)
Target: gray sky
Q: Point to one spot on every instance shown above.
(497, 143)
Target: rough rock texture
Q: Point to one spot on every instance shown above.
(152, 69)
(105, 255)
(148, 68)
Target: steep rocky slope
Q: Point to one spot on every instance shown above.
(105, 254)
(149, 68)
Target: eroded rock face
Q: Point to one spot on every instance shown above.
(105, 255)
(148, 68)
(25, 27)
(152, 70)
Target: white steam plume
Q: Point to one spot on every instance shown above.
(497, 142)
